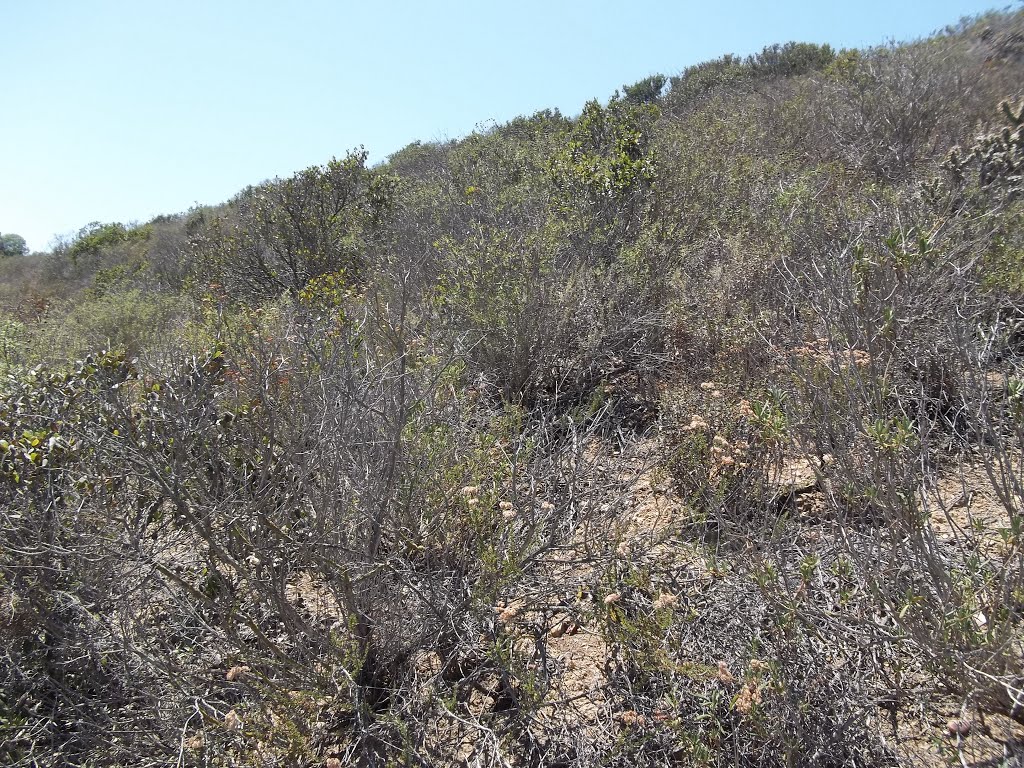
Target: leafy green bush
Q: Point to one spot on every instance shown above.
(278, 236)
(131, 321)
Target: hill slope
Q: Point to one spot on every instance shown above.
(685, 431)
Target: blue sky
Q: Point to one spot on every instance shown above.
(118, 111)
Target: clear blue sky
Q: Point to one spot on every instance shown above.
(118, 111)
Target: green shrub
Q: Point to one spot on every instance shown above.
(131, 321)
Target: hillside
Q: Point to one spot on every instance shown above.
(683, 431)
